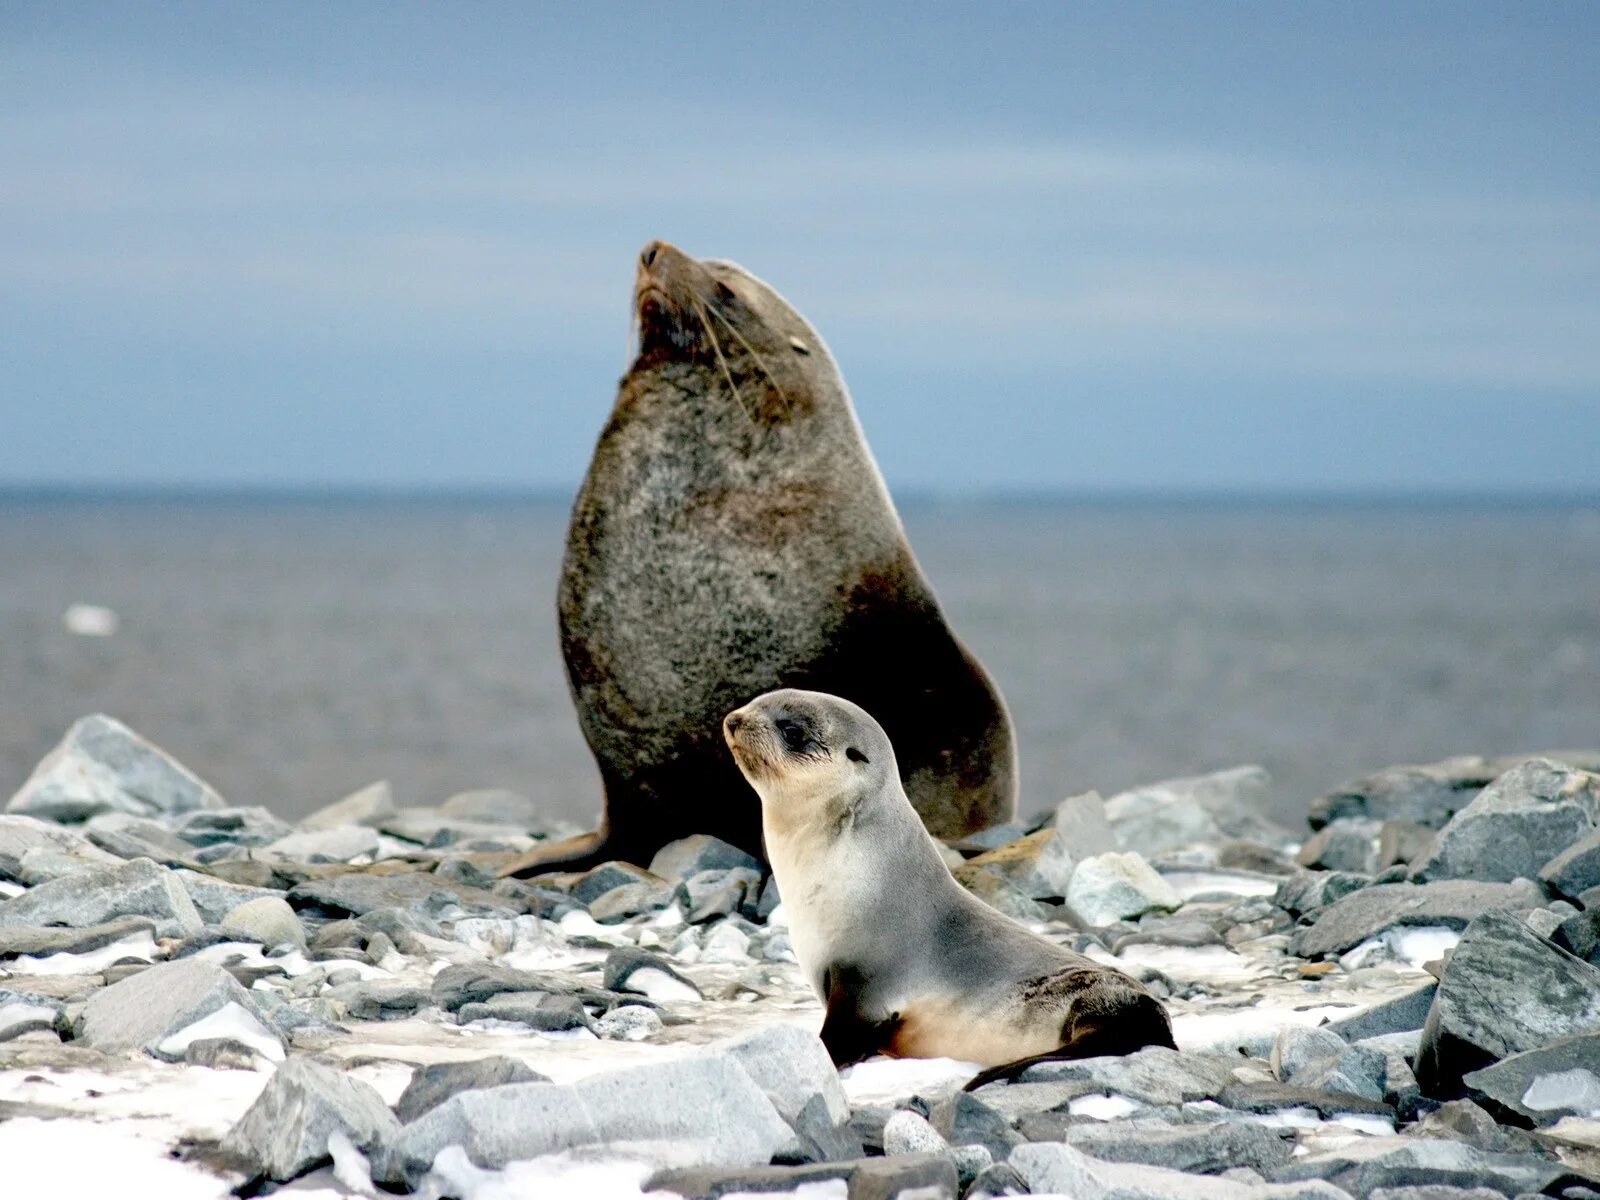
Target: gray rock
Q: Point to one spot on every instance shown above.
(964, 1120)
(719, 893)
(699, 852)
(146, 1011)
(1309, 891)
(1577, 868)
(1016, 863)
(381, 999)
(1265, 1099)
(472, 983)
(1505, 990)
(418, 891)
(1354, 1071)
(630, 900)
(1363, 1165)
(343, 844)
(791, 1066)
(128, 836)
(1080, 831)
(593, 884)
(1436, 1191)
(249, 826)
(992, 838)
(433, 1084)
(1200, 1149)
(995, 890)
(1399, 1015)
(906, 1132)
(38, 940)
(1296, 1046)
(215, 898)
(537, 1010)
(1452, 903)
(367, 806)
(1558, 1080)
(285, 1132)
(1464, 1121)
(1179, 812)
(93, 897)
(922, 1177)
(703, 1111)
(24, 1012)
(1052, 1167)
(493, 806)
(623, 962)
(1514, 825)
(629, 1023)
(1001, 1179)
(1429, 794)
(103, 766)
(1579, 934)
(1154, 1075)
(1348, 844)
(1402, 842)
(268, 920)
(221, 1054)
(1116, 887)
(21, 836)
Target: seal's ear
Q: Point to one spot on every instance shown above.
(855, 755)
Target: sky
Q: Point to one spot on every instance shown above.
(1088, 247)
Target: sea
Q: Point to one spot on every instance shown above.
(291, 648)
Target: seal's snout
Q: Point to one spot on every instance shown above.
(731, 723)
(648, 255)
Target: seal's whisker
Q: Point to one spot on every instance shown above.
(760, 362)
(727, 373)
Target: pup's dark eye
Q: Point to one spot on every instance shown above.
(793, 734)
(855, 755)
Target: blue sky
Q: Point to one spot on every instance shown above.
(1092, 247)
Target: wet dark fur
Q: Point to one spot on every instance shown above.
(732, 536)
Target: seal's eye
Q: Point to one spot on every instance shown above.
(792, 733)
(798, 346)
(855, 755)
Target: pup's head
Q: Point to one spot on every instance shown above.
(800, 748)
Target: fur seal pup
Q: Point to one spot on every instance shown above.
(907, 961)
(733, 536)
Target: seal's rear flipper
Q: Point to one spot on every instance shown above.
(848, 1033)
(1094, 1029)
(569, 854)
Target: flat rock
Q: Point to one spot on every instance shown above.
(103, 766)
(163, 1008)
(493, 806)
(472, 983)
(93, 897)
(1198, 1149)
(628, 969)
(537, 1010)
(367, 806)
(1360, 1166)
(1399, 1015)
(1056, 1168)
(699, 852)
(631, 899)
(1504, 991)
(268, 920)
(1452, 903)
(791, 1066)
(1354, 1071)
(1515, 825)
(593, 884)
(1347, 844)
(1153, 1075)
(339, 845)
(1309, 891)
(285, 1132)
(215, 898)
(923, 1176)
(693, 1112)
(35, 940)
(361, 892)
(1576, 869)
(243, 826)
(431, 1085)
(1559, 1080)
(1117, 887)
(22, 836)
(1429, 794)
(24, 1012)
(1266, 1098)
(1465, 1121)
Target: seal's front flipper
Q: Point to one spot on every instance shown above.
(849, 1034)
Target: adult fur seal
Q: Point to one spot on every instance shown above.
(732, 536)
(908, 962)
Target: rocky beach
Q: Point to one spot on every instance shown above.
(1400, 1000)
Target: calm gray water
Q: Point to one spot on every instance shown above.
(290, 651)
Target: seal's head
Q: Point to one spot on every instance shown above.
(719, 319)
(800, 750)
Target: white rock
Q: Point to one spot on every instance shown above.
(629, 1023)
(791, 1065)
(364, 807)
(726, 943)
(907, 1133)
(1117, 887)
(268, 920)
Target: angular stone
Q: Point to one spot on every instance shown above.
(819, 1138)
(1576, 869)
(1296, 1046)
(1000, 1179)
(381, 999)
(1429, 794)
(1399, 1015)
(632, 899)
(139, 888)
(998, 893)
(493, 806)
(1265, 1099)
(21, 835)
(699, 852)
(1200, 1149)
(215, 898)
(285, 1132)
(964, 1120)
(1558, 1080)
(1402, 842)
(719, 893)
(991, 838)
(1155, 1075)
(906, 1132)
(128, 837)
(361, 892)
(1308, 891)
(367, 806)
(1055, 1168)
(1464, 1121)
(1452, 903)
(703, 1111)
(1079, 830)
(431, 1085)
(103, 766)
(1179, 812)
(473, 983)
(1354, 1071)
(1362, 1165)
(1504, 991)
(537, 1010)
(629, 969)
(924, 1177)
(1348, 844)
(1579, 934)
(338, 845)
(268, 920)
(791, 1066)
(1116, 887)
(1016, 862)
(163, 1008)
(248, 826)
(1515, 825)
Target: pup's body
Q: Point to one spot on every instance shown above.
(908, 962)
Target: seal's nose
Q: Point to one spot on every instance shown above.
(732, 722)
(648, 254)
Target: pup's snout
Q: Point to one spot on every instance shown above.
(731, 723)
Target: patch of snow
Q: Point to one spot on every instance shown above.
(659, 986)
(136, 945)
(1189, 884)
(1201, 963)
(234, 1021)
(19, 1011)
(71, 1157)
(1577, 1089)
(9, 889)
(1410, 944)
(1255, 1027)
(454, 1174)
(888, 1080)
(578, 923)
(1103, 1108)
(89, 620)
